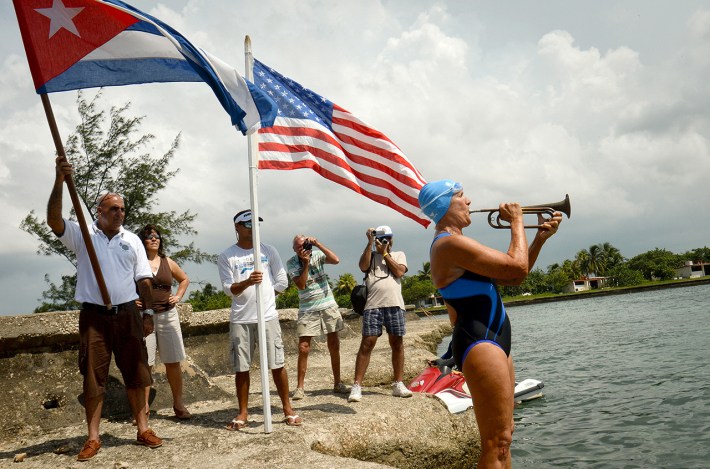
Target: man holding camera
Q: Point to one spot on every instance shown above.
(384, 307)
(318, 313)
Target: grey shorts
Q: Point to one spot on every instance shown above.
(392, 318)
(245, 337)
(318, 323)
(166, 338)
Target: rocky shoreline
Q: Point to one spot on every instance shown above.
(45, 418)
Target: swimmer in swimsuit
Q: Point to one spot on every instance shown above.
(480, 314)
(466, 273)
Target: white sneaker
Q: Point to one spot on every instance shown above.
(298, 394)
(400, 390)
(355, 393)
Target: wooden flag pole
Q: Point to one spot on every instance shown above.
(253, 150)
(76, 203)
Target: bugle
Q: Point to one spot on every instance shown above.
(541, 209)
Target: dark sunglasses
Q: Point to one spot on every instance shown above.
(151, 236)
(246, 224)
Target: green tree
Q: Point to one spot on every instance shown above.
(624, 276)
(343, 299)
(342, 288)
(612, 257)
(208, 299)
(288, 298)
(536, 282)
(511, 290)
(415, 288)
(559, 276)
(698, 255)
(425, 272)
(557, 280)
(346, 283)
(59, 298)
(568, 268)
(113, 158)
(658, 263)
(596, 263)
(581, 262)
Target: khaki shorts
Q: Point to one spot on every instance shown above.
(318, 323)
(245, 337)
(166, 338)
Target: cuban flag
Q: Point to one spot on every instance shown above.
(73, 44)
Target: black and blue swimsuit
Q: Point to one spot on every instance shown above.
(480, 314)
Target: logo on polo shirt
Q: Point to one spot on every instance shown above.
(124, 246)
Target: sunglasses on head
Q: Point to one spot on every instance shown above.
(151, 236)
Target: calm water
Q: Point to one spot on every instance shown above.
(627, 381)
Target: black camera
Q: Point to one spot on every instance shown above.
(373, 233)
(307, 246)
(384, 240)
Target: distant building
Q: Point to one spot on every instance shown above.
(586, 283)
(431, 301)
(693, 270)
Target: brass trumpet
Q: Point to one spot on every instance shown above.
(542, 209)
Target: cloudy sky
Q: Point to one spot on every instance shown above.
(520, 101)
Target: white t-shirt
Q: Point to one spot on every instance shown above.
(235, 265)
(122, 259)
(383, 290)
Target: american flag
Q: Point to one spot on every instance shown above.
(312, 132)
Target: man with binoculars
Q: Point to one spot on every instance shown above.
(384, 269)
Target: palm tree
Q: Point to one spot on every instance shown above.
(425, 273)
(612, 256)
(596, 259)
(581, 262)
(346, 283)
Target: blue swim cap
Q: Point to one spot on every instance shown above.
(435, 197)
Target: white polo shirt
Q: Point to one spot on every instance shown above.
(122, 259)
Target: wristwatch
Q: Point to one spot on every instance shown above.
(148, 312)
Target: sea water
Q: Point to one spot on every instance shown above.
(627, 381)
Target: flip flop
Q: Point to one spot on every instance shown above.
(293, 420)
(236, 425)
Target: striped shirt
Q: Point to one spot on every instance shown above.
(317, 295)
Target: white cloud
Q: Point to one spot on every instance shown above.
(518, 103)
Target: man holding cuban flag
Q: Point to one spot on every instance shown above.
(74, 44)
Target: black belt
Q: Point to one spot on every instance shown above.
(103, 309)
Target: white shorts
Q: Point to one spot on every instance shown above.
(318, 323)
(245, 337)
(166, 338)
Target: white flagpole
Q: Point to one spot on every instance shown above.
(253, 147)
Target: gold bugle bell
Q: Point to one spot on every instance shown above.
(562, 206)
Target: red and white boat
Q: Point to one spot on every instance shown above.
(450, 387)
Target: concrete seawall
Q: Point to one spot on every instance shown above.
(43, 416)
